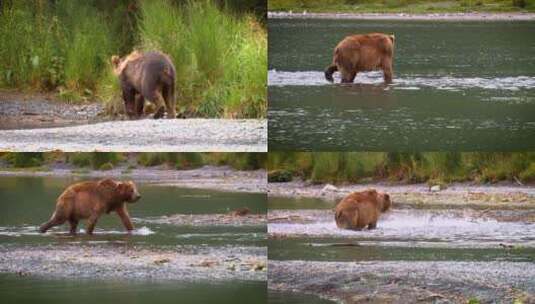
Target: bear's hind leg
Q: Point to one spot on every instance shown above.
(348, 77)
(73, 224)
(387, 71)
(54, 221)
(372, 225)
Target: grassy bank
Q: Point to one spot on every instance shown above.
(110, 160)
(402, 6)
(64, 46)
(432, 167)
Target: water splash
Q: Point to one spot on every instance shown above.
(422, 226)
(28, 230)
(449, 83)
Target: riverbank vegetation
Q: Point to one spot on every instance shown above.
(109, 160)
(401, 6)
(431, 167)
(219, 49)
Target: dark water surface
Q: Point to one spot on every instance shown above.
(457, 86)
(26, 202)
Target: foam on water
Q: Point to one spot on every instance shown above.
(419, 226)
(27, 230)
(450, 83)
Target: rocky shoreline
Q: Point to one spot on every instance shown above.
(221, 178)
(470, 16)
(459, 194)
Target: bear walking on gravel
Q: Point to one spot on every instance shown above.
(359, 210)
(146, 76)
(89, 200)
(360, 53)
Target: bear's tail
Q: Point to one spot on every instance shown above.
(329, 71)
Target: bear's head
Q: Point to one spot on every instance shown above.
(118, 64)
(128, 191)
(384, 201)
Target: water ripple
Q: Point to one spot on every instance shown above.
(450, 83)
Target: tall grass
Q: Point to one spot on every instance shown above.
(48, 47)
(432, 167)
(221, 59)
(96, 160)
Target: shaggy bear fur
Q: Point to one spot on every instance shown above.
(362, 209)
(359, 53)
(89, 200)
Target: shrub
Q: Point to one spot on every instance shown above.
(279, 176)
(24, 160)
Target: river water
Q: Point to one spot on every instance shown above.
(457, 86)
(456, 252)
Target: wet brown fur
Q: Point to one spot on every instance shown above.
(146, 76)
(89, 200)
(360, 53)
(359, 210)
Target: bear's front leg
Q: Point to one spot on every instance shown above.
(125, 218)
(129, 98)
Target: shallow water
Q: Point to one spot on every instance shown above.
(449, 93)
(26, 202)
(461, 240)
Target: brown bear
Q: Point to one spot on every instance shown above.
(359, 53)
(359, 210)
(89, 200)
(146, 76)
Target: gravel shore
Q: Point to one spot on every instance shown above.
(183, 263)
(472, 16)
(417, 194)
(147, 135)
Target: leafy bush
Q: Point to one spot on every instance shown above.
(280, 176)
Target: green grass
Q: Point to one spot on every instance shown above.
(220, 55)
(182, 161)
(402, 6)
(432, 167)
(24, 160)
(95, 160)
(110, 160)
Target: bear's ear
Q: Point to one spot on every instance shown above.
(372, 191)
(115, 60)
(108, 182)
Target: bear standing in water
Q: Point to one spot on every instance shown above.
(362, 209)
(89, 200)
(149, 76)
(360, 53)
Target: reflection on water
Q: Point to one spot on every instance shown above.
(448, 93)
